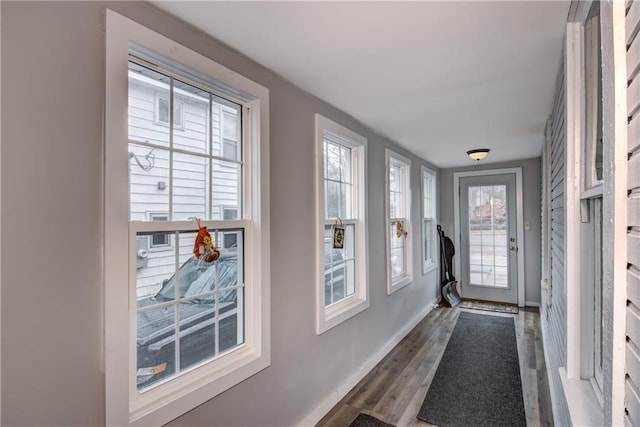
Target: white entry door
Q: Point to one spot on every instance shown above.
(488, 238)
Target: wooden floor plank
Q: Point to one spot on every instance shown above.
(394, 390)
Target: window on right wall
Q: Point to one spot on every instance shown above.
(398, 221)
(429, 247)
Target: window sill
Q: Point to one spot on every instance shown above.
(428, 268)
(584, 407)
(398, 284)
(330, 317)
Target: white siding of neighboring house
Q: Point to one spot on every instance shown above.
(191, 186)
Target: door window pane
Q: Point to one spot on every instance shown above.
(488, 242)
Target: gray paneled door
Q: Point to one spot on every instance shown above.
(488, 238)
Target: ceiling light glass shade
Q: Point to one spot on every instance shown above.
(478, 154)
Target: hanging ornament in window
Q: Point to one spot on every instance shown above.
(203, 248)
(401, 230)
(338, 236)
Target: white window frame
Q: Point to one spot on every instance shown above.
(396, 283)
(429, 212)
(332, 315)
(161, 404)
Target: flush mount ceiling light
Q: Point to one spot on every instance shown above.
(478, 154)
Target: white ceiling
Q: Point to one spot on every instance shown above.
(439, 78)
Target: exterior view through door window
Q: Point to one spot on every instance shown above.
(487, 230)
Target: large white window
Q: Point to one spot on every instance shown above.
(342, 262)
(591, 180)
(429, 252)
(398, 221)
(181, 328)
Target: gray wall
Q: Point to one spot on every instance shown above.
(52, 295)
(531, 189)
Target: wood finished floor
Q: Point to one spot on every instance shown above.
(394, 390)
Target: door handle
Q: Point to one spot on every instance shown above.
(513, 248)
(512, 239)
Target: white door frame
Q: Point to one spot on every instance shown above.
(519, 218)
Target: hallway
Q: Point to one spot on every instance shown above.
(394, 390)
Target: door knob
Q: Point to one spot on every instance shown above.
(513, 248)
(512, 239)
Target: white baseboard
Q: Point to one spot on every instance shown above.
(341, 391)
(531, 304)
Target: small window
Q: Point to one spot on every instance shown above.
(398, 192)
(162, 112)
(159, 240)
(428, 220)
(340, 177)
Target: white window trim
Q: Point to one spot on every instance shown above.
(429, 266)
(124, 405)
(334, 314)
(407, 277)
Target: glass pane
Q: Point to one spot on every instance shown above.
(488, 245)
(350, 277)
(148, 182)
(148, 106)
(190, 182)
(227, 128)
(427, 240)
(155, 337)
(333, 162)
(226, 187)
(332, 199)
(345, 164)
(154, 269)
(190, 118)
(197, 331)
(339, 275)
(231, 315)
(397, 252)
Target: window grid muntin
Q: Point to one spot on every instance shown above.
(398, 209)
(146, 228)
(346, 179)
(427, 215)
(210, 157)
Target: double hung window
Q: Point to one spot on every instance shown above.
(429, 252)
(181, 328)
(591, 180)
(340, 177)
(398, 215)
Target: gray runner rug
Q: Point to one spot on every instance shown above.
(364, 420)
(478, 380)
